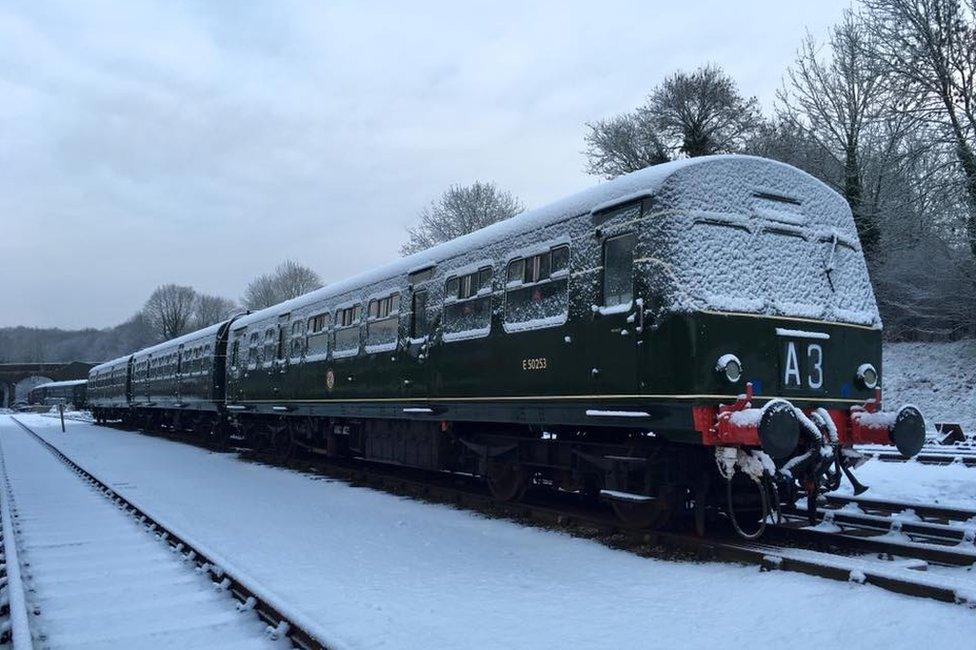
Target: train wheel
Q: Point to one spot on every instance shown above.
(507, 481)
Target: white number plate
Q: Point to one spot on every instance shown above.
(803, 365)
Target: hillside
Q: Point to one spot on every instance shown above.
(939, 378)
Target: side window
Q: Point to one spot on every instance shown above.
(234, 351)
(270, 344)
(467, 305)
(418, 316)
(618, 270)
(297, 340)
(317, 342)
(384, 320)
(537, 290)
(347, 330)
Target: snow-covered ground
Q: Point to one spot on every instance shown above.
(97, 578)
(939, 378)
(377, 571)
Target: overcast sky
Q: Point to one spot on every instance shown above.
(204, 142)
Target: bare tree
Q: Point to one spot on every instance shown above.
(623, 144)
(928, 50)
(211, 309)
(835, 100)
(288, 280)
(689, 114)
(459, 211)
(169, 310)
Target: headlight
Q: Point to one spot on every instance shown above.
(867, 376)
(730, 366)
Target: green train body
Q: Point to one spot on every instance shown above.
(71, 393)
(602, 342)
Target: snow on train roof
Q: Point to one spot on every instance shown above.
(186, 338)
(62, 384)
(641, 183)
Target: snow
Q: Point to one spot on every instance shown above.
(939, 378)
(96, 578)
(948, 485)
(801, 334)
(63, 384)
(596, 413)
(376, 570)
(724, 267)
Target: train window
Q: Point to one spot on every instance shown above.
(560, 259)
(515, 270)
(535, 298)
(418, 316)
(270, 344)
(451, 288)
(234, 349)
(347, 330)
(467, 311)
(296, 347)
(618, 270)
(317, 342)
(384, 322)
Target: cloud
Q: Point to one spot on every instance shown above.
(203, 143)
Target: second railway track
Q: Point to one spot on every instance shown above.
(97, 571)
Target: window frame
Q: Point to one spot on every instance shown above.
(464, 280)
(318, 327)
(536, 258)
(355, 313)
(383, 308)
(604, 308)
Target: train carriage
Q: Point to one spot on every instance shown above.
(695, 319)
(72, 393)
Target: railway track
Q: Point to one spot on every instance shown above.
(833, 555)
(930, 455)
(87, 567)
(794, 548)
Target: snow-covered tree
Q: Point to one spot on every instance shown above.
(288, 280)
(459, 211)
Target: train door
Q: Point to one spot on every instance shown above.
(617, 315)
(178, 378)
(147, 385)
(413, 364)
(280, 366)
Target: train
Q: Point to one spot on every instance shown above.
(699, 335)
(72, 393)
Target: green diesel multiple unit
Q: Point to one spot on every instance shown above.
(636, 340)
(69, 393)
